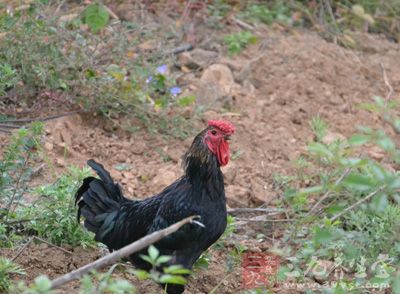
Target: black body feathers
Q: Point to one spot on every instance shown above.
(117, 221)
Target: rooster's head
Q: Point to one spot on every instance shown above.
(216, 138)
(211, 143)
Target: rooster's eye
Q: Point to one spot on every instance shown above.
(214, 132)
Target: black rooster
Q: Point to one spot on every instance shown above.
(118, 221)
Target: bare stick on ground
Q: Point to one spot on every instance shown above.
(117, 255)
(385, 79)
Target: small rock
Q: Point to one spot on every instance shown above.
(218, 74)
(48, 146)
(60, 162)
(376, 153)
(198, 58)
(120, 157)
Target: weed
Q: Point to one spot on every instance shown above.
(53, 215)
(16, 170)
(61, 63)
(170, 275)
(355, 222)
(238, 42)
(7, 268)
(262, 13)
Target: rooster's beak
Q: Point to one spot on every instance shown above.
(227, 137)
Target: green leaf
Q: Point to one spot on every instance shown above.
(177, 270)
(186, 101)
(281, 275)
(322, 236)
(379, 202)
(386, 143)
(173, 279)
(359, 139)
(358, 182)
(153, 252)
(393, 183)
(320, 150)
(396, 284)
(379, 101)
(311, 190)
(163, 259)
(379, 172)
(43, 283)
(147, 258)
(140, 274)
(96, 17)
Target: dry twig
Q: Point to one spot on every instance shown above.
(123, 252)
(385, 79)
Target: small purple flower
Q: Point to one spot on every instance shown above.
(149, 79)
(175, 91)
(162, 69)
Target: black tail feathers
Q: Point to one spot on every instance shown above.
(97, 199)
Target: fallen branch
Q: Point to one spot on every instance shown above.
(362, 200)
(27, 120)
(123, 252)
(243, 24)
(180, 49)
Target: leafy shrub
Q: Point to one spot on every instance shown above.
(354, 221)
(7, 268)
(53, 215)
(60, 62)
(238, 42)
(16, 171)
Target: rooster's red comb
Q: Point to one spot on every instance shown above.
(224, 126)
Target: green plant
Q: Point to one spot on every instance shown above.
(53, 215)
(354, 220)
(278, 11)
(319, 128)
(58, 62)
(238, 42)
(170, 275)
(8, 78)
(96, 17)
(105, 283)
(8, 268)
(93, 283)
(16, 171)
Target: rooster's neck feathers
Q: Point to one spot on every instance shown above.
(200, 164)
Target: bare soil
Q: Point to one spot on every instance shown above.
(277, 87)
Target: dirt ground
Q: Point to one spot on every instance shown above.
(273, 89)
